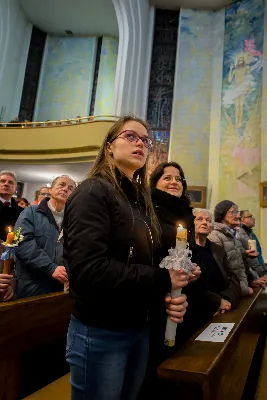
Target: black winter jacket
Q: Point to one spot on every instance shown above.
(171, 212)
(229, 283)
(202, 303)
(108, 243)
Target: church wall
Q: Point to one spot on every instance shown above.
(263, 211)
(106, 77)
(217, 113)
(190, 126)
(241, 105)
(66, 79)
(14, 45)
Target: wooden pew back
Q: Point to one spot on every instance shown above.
(220, 369)
(24, 325)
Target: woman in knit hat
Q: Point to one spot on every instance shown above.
(227, 218)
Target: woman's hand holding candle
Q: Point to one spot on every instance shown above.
(179, 264)
(9, 294)
(179, 279)
(176, 308)
(5, 282)
(195, 273)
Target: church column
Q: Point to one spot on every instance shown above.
(136, 22)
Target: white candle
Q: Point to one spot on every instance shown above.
(170, 332)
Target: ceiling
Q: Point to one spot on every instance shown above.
(44, 174)
(94, 17)
(82, 17)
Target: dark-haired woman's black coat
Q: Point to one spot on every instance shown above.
(171, 212)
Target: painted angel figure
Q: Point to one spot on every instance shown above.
(241, 80)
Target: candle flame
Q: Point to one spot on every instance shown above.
(9, 229)
(180, 228)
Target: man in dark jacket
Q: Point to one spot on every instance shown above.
(257, 264)
(39, 257)
(9, 210)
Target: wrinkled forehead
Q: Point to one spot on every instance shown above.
(203, 214)
(233, 208)
(7, 177)
(64, 180)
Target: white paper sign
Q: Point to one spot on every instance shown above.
(216, 332)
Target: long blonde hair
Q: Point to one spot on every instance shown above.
(105, 166)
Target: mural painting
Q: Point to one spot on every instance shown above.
(241, 103)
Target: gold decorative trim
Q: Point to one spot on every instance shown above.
(46, 161)
(63, 122)
(83, 149)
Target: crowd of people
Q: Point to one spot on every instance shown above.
(104, 240)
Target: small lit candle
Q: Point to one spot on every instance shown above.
(10, 236)
(181, 233)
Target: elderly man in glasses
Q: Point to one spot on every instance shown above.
(42, 194)
(227, 218)
(245, 234)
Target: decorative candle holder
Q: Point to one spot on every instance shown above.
(179, 258)
(8, 256)
(13, 240)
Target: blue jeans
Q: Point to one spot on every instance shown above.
(106, 365)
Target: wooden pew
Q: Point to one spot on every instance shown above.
(218, 371)
(25, 325)
(57, 390)
(261, 393)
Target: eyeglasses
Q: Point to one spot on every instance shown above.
(249, 216)
(234, 212)
(134, 137)
(170, 178)
(45, 194)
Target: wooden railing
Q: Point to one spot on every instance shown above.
(218, 371)
(68, 142)
(61, 122)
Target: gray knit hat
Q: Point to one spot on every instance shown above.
(221, 210)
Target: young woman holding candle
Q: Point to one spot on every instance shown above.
(110, 232)
(173, 208)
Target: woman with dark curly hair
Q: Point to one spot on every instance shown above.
(172, 203)
(22, 202)
(172, 206)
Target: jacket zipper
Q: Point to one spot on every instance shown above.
(130, 255)
(150, 235)
(152, 243)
